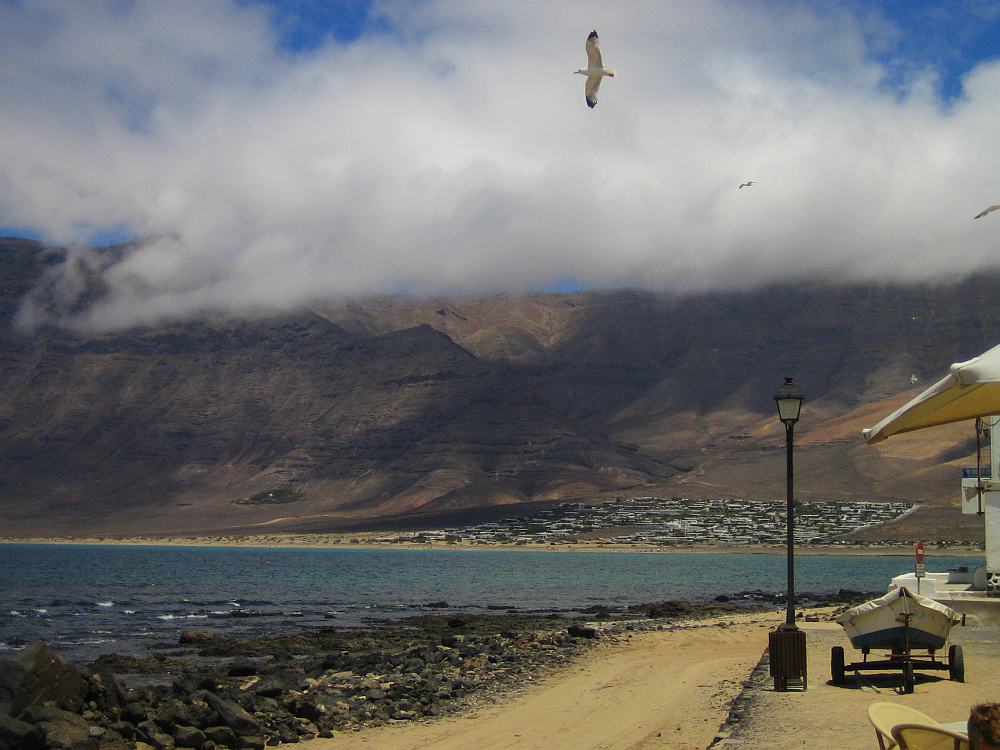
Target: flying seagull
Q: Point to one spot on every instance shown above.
(748, 183)
(981, 214)
(595, 69)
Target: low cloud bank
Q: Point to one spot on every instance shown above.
(451, 151)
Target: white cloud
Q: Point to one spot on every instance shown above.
(456, 154)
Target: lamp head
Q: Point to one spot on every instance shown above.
(789, 402)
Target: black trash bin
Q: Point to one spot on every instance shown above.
(786, 648)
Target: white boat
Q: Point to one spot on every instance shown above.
(901, 621)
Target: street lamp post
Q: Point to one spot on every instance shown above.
(787, 644)
(789, 404)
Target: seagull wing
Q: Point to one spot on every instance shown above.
(593, 83)
(980, 215)
(594, 51)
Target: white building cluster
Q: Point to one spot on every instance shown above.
(670, 522)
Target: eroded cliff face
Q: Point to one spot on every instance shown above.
(388, 406)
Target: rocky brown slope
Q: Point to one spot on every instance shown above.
(332, 416)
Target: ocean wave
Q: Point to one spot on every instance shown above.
(86, 641)
(105, 604)
(183, 616)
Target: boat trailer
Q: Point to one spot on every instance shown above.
(902, 658)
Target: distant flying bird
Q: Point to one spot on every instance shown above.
(981, 214)
(595, 69)
(748, 183)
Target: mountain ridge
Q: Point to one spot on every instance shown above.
(385, 407)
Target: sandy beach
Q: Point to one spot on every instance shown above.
(363, 541)
(674, 688)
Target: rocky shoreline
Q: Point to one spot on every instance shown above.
(212, 691)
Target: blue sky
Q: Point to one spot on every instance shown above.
(273, 152)
(304, 25)
(947, 36)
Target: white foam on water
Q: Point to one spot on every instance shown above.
(105, 604)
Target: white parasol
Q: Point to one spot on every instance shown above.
(971, 389)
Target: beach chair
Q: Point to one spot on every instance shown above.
(884, 716)
(928, 737)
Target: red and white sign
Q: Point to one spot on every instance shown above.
(920, 552)
(918, 569)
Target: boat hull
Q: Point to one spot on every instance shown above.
(899, 621)
(898, 639)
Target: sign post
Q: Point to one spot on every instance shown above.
(918, 568)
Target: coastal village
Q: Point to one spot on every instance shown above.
(669, 522)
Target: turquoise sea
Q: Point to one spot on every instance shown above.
(85, 600)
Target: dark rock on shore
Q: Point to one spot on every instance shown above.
(809, 598)
(37, 674)
(189, 737)
(230, 713)
(679, 608)
(274, 690)
(15, 733)
(242, 667)
(59, 728)
(601, 612)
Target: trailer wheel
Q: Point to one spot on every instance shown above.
(908, 677)
(956, 663)
(837, 664)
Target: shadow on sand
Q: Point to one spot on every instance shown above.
(888, 680)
